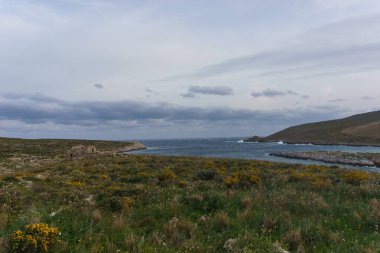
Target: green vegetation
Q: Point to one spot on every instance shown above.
(9, 147)
(176, 204)
(361, 129)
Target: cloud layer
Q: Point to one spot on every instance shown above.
(39, 109)
(273, 93)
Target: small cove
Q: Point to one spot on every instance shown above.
(235, 148)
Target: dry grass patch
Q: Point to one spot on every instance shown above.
(293, 239)
(375, 206)
(221, 221)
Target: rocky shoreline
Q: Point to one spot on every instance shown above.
(356, 159)
(262, 139)
(134, 146)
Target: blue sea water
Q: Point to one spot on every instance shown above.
(235, 148)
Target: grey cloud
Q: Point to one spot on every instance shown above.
(150, 91)
(273, 93)
(305, 96)
(353, 57)
(316, 52)
(207, 90)
(256, 94)
(37, 109)
(327, 107)
(211, 90)
(337, 100)
(292, 92)
(188, 95)
(98, 86)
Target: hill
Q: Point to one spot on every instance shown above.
(360, 129)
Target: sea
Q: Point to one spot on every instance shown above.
(236, 148)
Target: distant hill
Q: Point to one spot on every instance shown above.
(360, 129)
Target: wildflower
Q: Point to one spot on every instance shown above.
(36, 238)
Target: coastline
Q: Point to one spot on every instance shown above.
(314, 143)
(343, 158)
(134, 146)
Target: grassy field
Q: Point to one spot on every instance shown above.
(139, 203)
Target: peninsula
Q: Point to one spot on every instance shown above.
(357, 130)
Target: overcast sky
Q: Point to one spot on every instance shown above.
(115, 69)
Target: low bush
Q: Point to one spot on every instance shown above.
(355, 177)
(35, 238)
(206, 175)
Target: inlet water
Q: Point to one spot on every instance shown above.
(236, 148)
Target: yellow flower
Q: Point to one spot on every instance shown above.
(36, 238)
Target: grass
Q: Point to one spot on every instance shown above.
(140, 203)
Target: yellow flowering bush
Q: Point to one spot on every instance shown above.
(145, 175)
(242, 179)
(221, 171)
(77, 184)
(127, 203)
(254, 179)
(105, 177)
(36, 238)
(182, 183)
(301, 177)
(355, 176)
(166, 174)
(231, 181)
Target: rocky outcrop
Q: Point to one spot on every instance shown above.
(356, 159)
(134, 146)
(81, 151)
(254, 139)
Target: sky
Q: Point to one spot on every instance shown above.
(126, 70)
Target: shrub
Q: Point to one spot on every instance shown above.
(145, 175)
(105, 177)
(253, 179)
(242, 179)
(212, 202)
(206, 175)
(205, 203)
(355, 177)
(301, 177)
(36, 238)
(127, 203)
(182, 183)
(10, 179)
(76, 184)
(231, 181)
(110, 203)
(166, 174)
